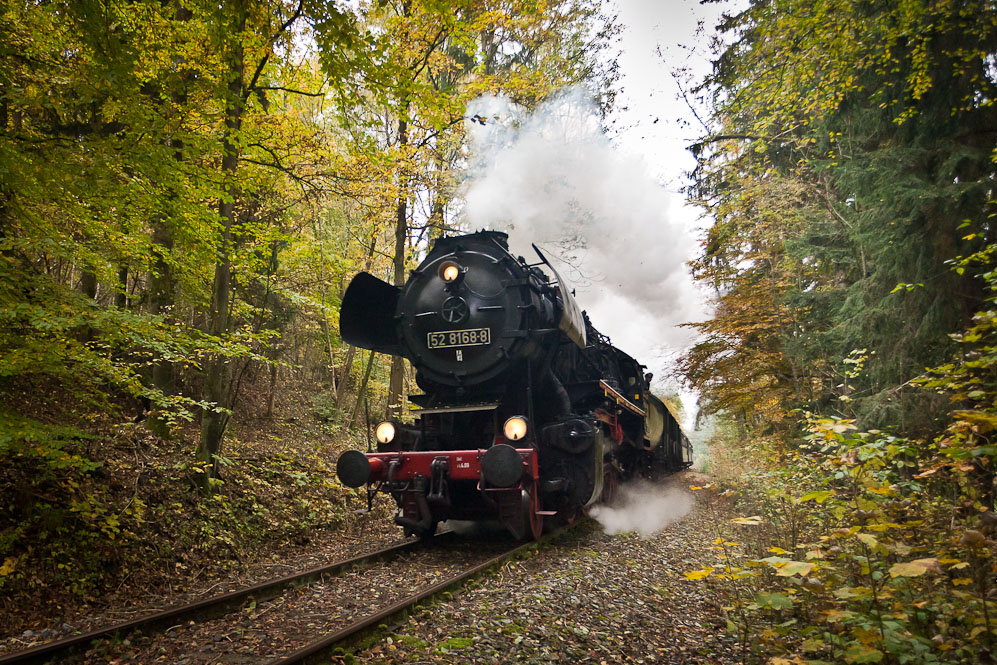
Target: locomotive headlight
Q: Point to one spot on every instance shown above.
(449, 271)
(515, 428)
(385, 432)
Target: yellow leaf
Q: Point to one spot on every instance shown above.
(699, 574)
(867, 636)
(960, 581)
(914, 568)
(791, 568)
(752, 521)
(984, 421)
(871, 542)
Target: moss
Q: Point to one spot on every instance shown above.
(454, 643)
(411, 641)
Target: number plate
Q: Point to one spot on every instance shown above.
(452, 338)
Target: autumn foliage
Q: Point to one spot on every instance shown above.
(848, 167)
(185, 190)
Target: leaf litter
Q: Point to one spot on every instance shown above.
(595, 597)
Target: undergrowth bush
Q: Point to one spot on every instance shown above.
(85, 512)
(858, 547)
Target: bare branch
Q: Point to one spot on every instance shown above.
(263, 62)
(290, 90)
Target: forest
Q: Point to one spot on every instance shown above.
(848, 169)
(187, 187)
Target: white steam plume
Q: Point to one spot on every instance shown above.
(644, 508)
(552, 178)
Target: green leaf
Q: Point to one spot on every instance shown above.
(819, 497)
(774, 560)
(859, 653)
(812, 644)
(775, 601)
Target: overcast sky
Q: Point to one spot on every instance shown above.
(655, 129)
(660, 37)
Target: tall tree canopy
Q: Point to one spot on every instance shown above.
(849, 163)
(186, 186)
(154, 155)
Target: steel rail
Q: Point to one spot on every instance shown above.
(318, 652)
(206, 608)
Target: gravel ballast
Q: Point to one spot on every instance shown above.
(591, 598)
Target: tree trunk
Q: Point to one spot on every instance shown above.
(88, 283)
(272, 389)
(160, 303)
(401, 236)
(214, 419)
(88, 286)
(161, 283)
(363, 389)
(325, 317)
(121, 298)
(161, 278)
(345, 378)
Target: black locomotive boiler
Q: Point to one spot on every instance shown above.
(528, 412)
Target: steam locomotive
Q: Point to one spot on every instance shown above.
(528, 412)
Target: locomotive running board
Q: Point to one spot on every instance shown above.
(620, 399)
(456, 409)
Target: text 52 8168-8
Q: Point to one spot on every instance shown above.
(451, 338)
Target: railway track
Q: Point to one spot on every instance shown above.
(298, 618)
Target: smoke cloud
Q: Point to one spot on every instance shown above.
(552, 178)
(642, 507)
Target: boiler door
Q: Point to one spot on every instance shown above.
(467, 331)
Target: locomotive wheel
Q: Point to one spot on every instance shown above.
(531, 512)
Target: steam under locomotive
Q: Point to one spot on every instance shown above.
(528, 412)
